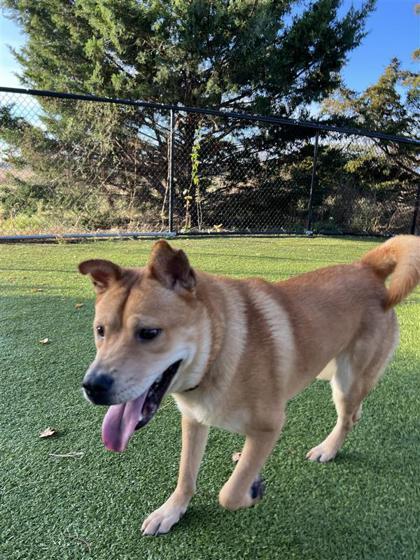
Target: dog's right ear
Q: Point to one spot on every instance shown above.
(103, 273)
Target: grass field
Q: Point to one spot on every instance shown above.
(364, 505)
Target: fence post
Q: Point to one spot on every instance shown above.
(416, 211)
(170, 170)
(311, 191)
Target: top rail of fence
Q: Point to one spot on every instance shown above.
(215, 112)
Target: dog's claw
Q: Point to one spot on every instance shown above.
(321, 454)
(236, 456)
(257, 488)
(162, 520)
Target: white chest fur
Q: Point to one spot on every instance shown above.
(209, 412)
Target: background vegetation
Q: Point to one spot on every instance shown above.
(84, 166)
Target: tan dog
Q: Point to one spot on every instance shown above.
(233, 352)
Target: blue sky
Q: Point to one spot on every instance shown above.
(394, 30)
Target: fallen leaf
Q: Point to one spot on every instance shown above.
(48, 432)
(44, 341)
(79, 305)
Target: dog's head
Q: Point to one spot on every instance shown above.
(146, 337)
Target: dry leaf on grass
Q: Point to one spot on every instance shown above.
(79, 305)
(48, 432)
(44, 341)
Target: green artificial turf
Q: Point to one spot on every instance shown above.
(366, 504)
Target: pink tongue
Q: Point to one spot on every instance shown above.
(120, 422)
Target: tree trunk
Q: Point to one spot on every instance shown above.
(186, 189)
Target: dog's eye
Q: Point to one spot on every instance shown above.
(147, 334)
(100, 331)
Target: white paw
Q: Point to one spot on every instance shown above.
(321, 453)
(163, 519)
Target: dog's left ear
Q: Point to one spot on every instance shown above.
(171, 267)
(103, 273)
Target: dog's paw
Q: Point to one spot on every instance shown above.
(257, 489)
(162, 520)
(321, 453)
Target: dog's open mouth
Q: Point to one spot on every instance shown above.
(122, 420)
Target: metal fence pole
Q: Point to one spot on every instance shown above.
(416, 212)
(311, 191)
(171, 169)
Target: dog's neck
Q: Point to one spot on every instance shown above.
(221, 315)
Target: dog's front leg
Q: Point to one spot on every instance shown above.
(194, 439)
(243, 489)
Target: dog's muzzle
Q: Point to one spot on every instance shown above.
(97, 387)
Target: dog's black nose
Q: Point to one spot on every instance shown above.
(97, 387)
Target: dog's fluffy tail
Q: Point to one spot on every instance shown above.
(399, 256)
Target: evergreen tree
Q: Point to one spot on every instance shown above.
(392, 106)
(371, 184)
(267, 56)
(263, 55)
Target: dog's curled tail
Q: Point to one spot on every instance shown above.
(399, 256)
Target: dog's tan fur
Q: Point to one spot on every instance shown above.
(247, 347)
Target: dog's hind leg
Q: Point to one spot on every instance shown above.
(347, 400)
(194, 439)
(350, 384)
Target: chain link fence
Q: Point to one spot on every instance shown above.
(77, 165)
